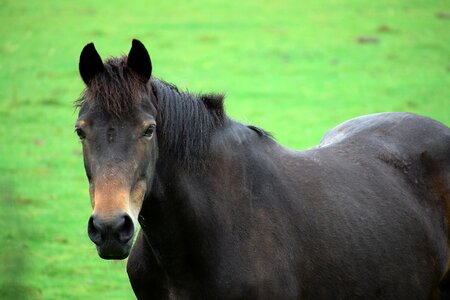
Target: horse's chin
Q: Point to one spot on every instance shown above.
(114, 257)
(114, 251)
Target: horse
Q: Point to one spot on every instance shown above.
(225, 212)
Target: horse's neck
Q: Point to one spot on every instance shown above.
(178, 214)
(169, 222)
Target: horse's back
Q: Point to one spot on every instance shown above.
(384, 200)
(409, 132)
(417, 146)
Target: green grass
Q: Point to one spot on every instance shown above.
(295, 68)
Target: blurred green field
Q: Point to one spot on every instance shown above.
(295, 68)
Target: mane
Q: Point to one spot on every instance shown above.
(185, 121)
(261, 132)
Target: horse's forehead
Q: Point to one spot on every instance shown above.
(134, 113)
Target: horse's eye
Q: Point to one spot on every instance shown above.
(149, 131)
(81, 134)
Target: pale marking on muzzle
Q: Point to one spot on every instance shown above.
(110, 197)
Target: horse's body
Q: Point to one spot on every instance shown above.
(234, 215)
(362, 215)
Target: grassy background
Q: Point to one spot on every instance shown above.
(296, 68)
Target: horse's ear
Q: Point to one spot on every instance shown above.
(90, 63)
(139, 60)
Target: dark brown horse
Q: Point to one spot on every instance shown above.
(227, 213)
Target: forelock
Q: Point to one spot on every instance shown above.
(116, 90)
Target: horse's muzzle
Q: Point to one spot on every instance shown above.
(112, 236)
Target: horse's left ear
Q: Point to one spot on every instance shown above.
(139, 60)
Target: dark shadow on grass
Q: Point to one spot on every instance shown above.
(13, 249)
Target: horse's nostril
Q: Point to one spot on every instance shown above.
(94, 232)
(126, 229)
(120, 228)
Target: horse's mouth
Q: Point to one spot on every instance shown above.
(114, 250)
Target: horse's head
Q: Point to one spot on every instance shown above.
(116, 126)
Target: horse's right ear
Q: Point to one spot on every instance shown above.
(139, 60)
(90, 63)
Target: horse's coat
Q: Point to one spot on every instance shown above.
(227, 213)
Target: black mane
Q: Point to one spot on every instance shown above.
(186, 121)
